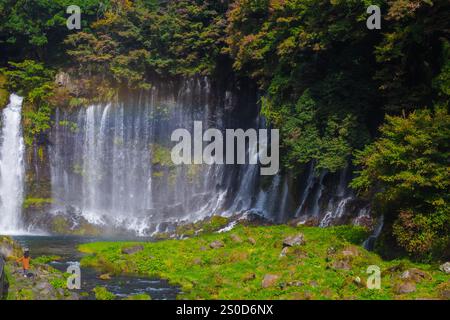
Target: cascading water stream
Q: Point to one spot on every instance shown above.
(318, 196)
(309, 186)
(369, 243)
(12, 170)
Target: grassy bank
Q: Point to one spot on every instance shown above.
(249, 263)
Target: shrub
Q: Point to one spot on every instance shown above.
(407, 171)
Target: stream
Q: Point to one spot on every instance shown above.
(122, 286)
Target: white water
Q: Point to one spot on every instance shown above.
(369, 243)
(334, 214)
(309, 186)
(12, 170)
(316, 208)
(103, 166)
(106, 171)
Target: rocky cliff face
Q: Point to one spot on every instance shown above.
(3, 280)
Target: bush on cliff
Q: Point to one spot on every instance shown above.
(407, 169)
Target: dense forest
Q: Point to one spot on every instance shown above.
(336, 90)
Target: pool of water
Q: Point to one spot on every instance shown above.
(121, 286)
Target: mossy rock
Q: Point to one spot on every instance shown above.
(101, 293)
(37, 203)
(9, 248)
(62, 225)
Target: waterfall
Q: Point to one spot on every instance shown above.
(339, 202)
(369, 243)
(111, 164)
(12, 170)
(318, 196)
(332, 214)
(309, 186)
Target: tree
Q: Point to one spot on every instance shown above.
(34, 81)
(318, 51)
(36, 29)
(407, 170)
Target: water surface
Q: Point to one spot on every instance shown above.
(121, 286)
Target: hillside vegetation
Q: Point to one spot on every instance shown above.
(336, 90)
(253, 263)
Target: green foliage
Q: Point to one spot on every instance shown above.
(36, 29)
(133, 41)
(408, 170)
(59, 283)
(327, 79)
(307, 56)
(34, 81)
(36, 122)
(28, 78)
(410, 54)
(308, 138)
(101, 293)
(161, 155)
(73, 127)
(236, 270)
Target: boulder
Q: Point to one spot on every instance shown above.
(269, 280)
(350, 252)
(43, 285)
(312, 222)
(74, 296)
(248, 277)
(405, 287)
(236, 238)
(415, 275)
(133, 249)
(9, 249)
(444, 290)
(105, 276)
(341, 265)
(445, 267)
(296, 240)
(216, 244)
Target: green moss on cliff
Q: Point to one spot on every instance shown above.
(4, 94)
(37, 202)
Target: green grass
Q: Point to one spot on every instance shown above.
(236, 270)
(45, 259)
